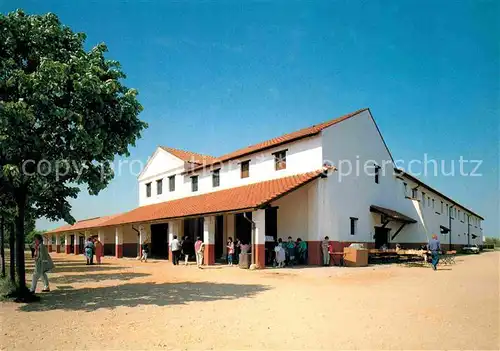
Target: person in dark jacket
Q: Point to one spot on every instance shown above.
(187, 248)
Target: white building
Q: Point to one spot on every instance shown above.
(296, 185)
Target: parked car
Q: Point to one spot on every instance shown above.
(471, 249)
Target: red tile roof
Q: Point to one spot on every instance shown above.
(300, 134)
(83, 224)
(188, 156)
(245, 197)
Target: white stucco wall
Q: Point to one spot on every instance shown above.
(293, 214)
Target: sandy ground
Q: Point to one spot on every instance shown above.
(124, 304)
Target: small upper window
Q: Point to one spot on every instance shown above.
(458, 214)
(148, 190)
(280, 160)
(433, 203)
(447, 210)
(245, 169)
(159, 186)
(216, 178)
(442, 206)
(171, 183)
(354, 225)
(428, 201)
(194, 183)
(423, 199)
(414, 193)
(405, 189)
(377, 173)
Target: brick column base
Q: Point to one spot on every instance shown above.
(68, 249)
(58, 248)
(77, 250)
(49, 247)
(119, 251)
(260, 255)
(209, 255)
(314, 255)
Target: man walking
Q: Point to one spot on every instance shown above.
(175, 246)
(434, 248)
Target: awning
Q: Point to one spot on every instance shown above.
(391, 214)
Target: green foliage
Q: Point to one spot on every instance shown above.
(7, 287)
(492, 241)
(64, 113)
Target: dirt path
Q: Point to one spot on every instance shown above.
(128, 305)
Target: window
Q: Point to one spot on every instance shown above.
(414, 193)
(280, 160)
(148, 190)
(433, 203)
(159, 186)
(354, 225)
(442, 206)
(447, 210)
(216, 178)
(458, 214)
(245, 169)
(171, 183)
(423, 199)
(405, 186)
(377, 173)
(428, 201)
(194, 183)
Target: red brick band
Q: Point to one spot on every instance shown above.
(58, 248)
(209, 255)
(68, 249)
(77, 250)
(119, 251)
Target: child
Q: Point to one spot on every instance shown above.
(230, 251)
(280, 254)
(326, 249)
(145, 250)
(290, 251)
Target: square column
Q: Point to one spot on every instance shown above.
(49, 242)
(67, 243)
(259, 240)
(58, 243)
(76, 243)
(119, 242)
(209, 239)
(173, 228)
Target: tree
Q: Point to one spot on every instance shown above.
(64, 116)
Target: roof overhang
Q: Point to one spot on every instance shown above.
(391, 214)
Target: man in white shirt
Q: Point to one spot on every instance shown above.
(175, 246)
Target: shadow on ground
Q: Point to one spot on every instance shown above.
(79, 268)
(132, 295)
(87, 278)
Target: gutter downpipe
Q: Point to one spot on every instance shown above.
(252, 236)
(449, 222)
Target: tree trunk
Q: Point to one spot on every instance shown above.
(2, 248)
(21, 273)
(12, 241)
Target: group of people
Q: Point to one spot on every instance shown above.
(290, 253)
(187, 248)
(93, 246)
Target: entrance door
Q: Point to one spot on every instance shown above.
(159, 240)
(219, 237)
(271, 230)
(81, 242)
(381, 237)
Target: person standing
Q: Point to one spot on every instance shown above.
(99, 250)
(144, 251)
(43, 264)
(434, 248)
(326, 249)
(199, 248)
(290, 252)
(230, 251)
(302, 250)
(89, 251)
(175, 247)
(187, 249)
(280, 254)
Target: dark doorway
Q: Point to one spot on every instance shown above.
(243, 228)
(81, 243)
(271, 231)
(72, 244)
(219, 237)
(159, 240)
(381, 237)
(193, 228)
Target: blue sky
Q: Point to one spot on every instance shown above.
(216, 76)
